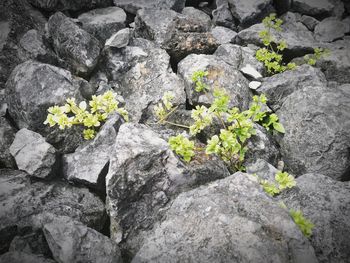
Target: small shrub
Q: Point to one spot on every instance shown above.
(303, 223)
(283, 180)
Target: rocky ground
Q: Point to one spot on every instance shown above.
(125, 196)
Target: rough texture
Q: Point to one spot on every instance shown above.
(317, 124)
(330, 29)
(262, 169)
(20, 257)
(313, 7)
(230, 220)
(326, 203)
(68, 5)
(119, 39)
(7, 135)
(132, 6)
(223, 35)
(33, 154)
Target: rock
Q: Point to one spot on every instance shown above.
(309, 21)
(3, 104)
(251, 72)
(220, 74)
(32, 88)
(131, 6)
(250, 12)
(313, 7)
(24, 204)
(262, 169)
(223, 35)
(103, 22)
(254, 85)
(71, 241)
(278, 87)
(20, 257)
(33, 154)
(119, 39)
(198, 16)
(89, 163)
(330, 29)
(222, 15)
(229, 220)
(7, 135)
(316, 120)
(144, 175)
(326, 203)
(75, 46)
(282, 6)
(54, 5)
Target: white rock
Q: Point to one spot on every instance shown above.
(251, 72)
(254, 85)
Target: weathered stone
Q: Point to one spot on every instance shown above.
(119, 39)
(75, 46)
(71, 241)
(220, 74)
(33, 154)
(251, 72)
(3, 103)
(222, 15)
(309, 21)
(7, 135)
(89, 163)
(313, 7)
(21, 257)
(330, 29)
(104, 22)
(326, 203)
(54, 5)
(254, 85)
(131, 6)
(317, 124)
(262, 169)
(223, 35)
(229, 220)
(199, 16)
(278, 87)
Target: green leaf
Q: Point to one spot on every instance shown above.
(269, 188)
(284, 180)
(278, 127)
(182, 146)
(303, 223)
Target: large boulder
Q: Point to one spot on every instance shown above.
(72, 242)
(313, 7)
(7, 135)
(144, 175)
(229, 220)
(330, 29)
(326, 203)
(317, 124)
(132, 6)
(33, 154)
(75, 46)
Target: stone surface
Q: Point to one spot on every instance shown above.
(3, 103)
(144, 175)
(254, 85)
(103, 22)
(7, 135)
(75, 46)
(220, 74)
(313, 7)
(33, 154)
(316, 120)
(77, 5)
(223, 35)
(20, 257)
(309, 21)
(251, 72)
(89, 163)
(229, 220)
(222, 15)
(71, 242)
(262, 169)
(278, 87)
(326, 203)
(330, 29)
(131, 6)
(32, 88)
(119, 39)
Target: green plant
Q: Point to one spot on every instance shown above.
(283, 180)
(271, 55)
(311, 59)
(303, 223)
(89, 115)
(237, 127)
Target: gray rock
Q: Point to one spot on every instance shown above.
(71, 241)
(75, 46)
(104, 22)
(3, 103)
(250, 12)
(278, 87)
(282, 6)
(313, 7)
(119, 39)
(32, 88)
(223, 35)
(229, 220)
(316, 120)
(77, 5)
(144, 175)
(251, 72)
(262, 169)
(33, 154)
(309, 21)
(21, 257)
(25, 204)
(131, 6)
(254, 85)
(326, 203)
(220, 74)
(89, 163)
(7, 135)
(330, 29)
(222, 15)
(5, 29)
(200, 17)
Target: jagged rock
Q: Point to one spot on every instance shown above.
(144, 175)
(75, 46)
(278, 87)
(313, 7)
(25, 204)
(71, 241)
(104, 22)
(330, 29)
(250, 12)
(239, 57)
(7, 135)
(220, 74)
(131, 6)
(119, 39)
(326, 203)
(199, 17)
(54, 5)
(254, 85)
(33, 154)
(222, 15)
(89, 163)
(309, 21)
(316, 120)
(229, 220)
(223, 35)
(21, 257)
(262, 169)
(32, 88)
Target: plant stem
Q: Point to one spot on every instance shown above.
(177, 124)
